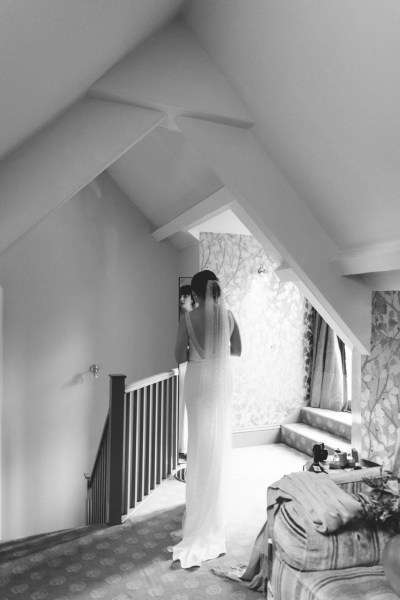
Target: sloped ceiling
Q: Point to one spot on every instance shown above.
(164, 176)
(319, 79)
(315, 83)
(52, 52)
(322, 81)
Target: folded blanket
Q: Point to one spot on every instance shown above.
(326, 504)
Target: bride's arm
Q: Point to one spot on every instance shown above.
(182, 342)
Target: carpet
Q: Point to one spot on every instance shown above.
(133, 560)
(125, 561)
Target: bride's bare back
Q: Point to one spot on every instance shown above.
(197, 318)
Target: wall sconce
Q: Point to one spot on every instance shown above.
(95, 370)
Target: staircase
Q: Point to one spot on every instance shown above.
(138, 449)
(319, 425)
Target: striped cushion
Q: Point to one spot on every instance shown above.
(304, 548)
(357, 583)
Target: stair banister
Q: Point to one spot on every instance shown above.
(138, 447)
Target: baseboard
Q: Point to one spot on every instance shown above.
(256, 436)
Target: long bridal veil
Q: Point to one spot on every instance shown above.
(209, 443)
(216, 380)
(216, 386)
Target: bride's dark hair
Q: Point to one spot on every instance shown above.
(199, 283)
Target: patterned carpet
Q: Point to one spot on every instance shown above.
(133, 560)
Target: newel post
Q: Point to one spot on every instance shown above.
(115, 449)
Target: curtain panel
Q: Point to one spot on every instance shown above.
(328, 371)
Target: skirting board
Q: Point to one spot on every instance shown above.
(256, 436)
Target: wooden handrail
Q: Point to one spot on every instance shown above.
(98, 453)
(137, 385)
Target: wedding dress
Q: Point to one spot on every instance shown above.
(208, 394)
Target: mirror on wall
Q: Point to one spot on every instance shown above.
(185, 298)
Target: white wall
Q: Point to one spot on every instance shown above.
(86, 285)
(189, 260)
(1, 392)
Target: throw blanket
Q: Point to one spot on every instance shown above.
(327, 505)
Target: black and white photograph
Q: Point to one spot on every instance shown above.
(199, 299)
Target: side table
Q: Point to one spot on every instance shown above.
(350, 479)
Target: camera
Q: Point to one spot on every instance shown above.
(319, 453)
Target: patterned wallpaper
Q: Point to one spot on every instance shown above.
(380, 405)
(271, 377)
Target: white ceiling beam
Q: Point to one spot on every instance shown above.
(286, 274)
(206, 209)
(383, 280)
(370, 259)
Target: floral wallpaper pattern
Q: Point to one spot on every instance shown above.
(380, 404)
(271, 377)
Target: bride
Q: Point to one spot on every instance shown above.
(206, 337)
